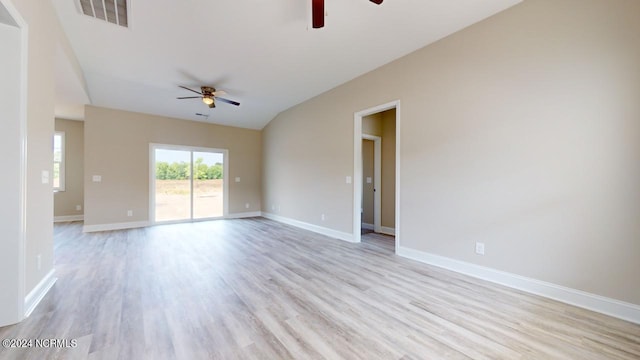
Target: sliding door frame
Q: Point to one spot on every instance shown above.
(191, 149)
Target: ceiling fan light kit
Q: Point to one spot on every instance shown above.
(317, 12)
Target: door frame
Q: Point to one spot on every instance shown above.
(377, 180)
(357, 167)
(16, 287)
(152, 183)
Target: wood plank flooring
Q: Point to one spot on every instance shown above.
(257, 289)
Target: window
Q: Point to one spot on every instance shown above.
(58, 161)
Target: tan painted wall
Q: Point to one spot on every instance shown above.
(44, 36)
(117, 148)
(372, 124)
(520, 131)
(367, 188)
(64, 202)
(388, 172)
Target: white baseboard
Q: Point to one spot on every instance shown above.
(315, 228)
(367, 226)
(244, 215)
(37, 294)
(601, 304)
(388, 231)
(116, 226)
(67, 218)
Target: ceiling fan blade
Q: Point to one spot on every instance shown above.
(378, 2)
(189, 97)
(186, 88)
(317, 13)
(228, 101)
(219, 92)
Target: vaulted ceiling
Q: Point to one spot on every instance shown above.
(263, 53)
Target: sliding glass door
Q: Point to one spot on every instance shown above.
(208, 184)
(187, 183)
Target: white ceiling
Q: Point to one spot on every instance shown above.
(263, 53)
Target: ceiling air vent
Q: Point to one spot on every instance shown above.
(113, 11)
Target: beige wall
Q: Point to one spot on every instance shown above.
(30, 81)
(520, 131)
(44, 36)
(368, 194)
(372, 124)
(64, 202)
(388, 172)
(117, 148)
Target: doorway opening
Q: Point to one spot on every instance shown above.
(371, 219)
(187, 183)
(377, 175)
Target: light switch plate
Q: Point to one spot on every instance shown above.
(97, 178)
(369, 180)
(237, 178)
(45, 176)
(348, 179)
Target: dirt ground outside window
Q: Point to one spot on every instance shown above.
(173, 199)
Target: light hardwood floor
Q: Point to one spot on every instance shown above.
(257, 289)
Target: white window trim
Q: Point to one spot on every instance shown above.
(62, 161)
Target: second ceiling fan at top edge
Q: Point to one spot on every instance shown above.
(317, 12)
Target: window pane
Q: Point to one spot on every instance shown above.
(57, 148)
(207, 185)
(56, 175)
(173, 185)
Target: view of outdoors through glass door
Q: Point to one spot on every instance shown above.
(188, 184)
(207, 185)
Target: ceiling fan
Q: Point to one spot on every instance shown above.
(208, 95)
(317, 11)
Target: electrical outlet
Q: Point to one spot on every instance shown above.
(322, 217)
(78, 207)
(247, 205)
(129, 212)
(480, 248)
(237, 178)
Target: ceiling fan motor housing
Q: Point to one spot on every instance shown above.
(207, 90)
